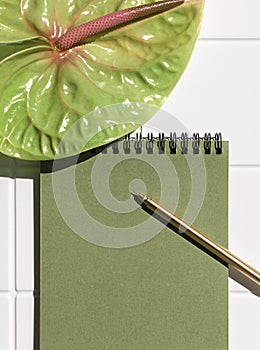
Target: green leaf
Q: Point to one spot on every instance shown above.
(8, 49)
(45, 93)
(51, 18)
(13, 27)
(42, 101)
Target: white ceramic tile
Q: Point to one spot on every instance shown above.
(231, 19)
(233, 286)
(220, 91)
(24, 235)
(24, 321)
(7, 339)
(7, 215)
(244, 321)
(244, 213)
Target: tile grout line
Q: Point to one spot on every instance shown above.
(250, 166)
(14, 294)
(233, 39)
(244, 292)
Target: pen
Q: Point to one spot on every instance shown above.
(239, 270)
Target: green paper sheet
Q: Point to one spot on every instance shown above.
(114, 278)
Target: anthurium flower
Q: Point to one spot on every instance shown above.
(52, 76)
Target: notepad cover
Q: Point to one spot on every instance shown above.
(160, 292)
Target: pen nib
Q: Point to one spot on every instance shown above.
(133, 193)
(138, 197)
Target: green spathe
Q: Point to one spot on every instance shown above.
(44, 92)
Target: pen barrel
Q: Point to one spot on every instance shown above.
(210, 245)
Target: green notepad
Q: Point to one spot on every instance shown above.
(113, 277)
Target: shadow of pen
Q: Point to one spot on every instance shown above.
(234, 273)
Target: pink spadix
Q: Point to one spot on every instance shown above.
(76, 35)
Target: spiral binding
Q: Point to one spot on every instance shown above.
(175, 143)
